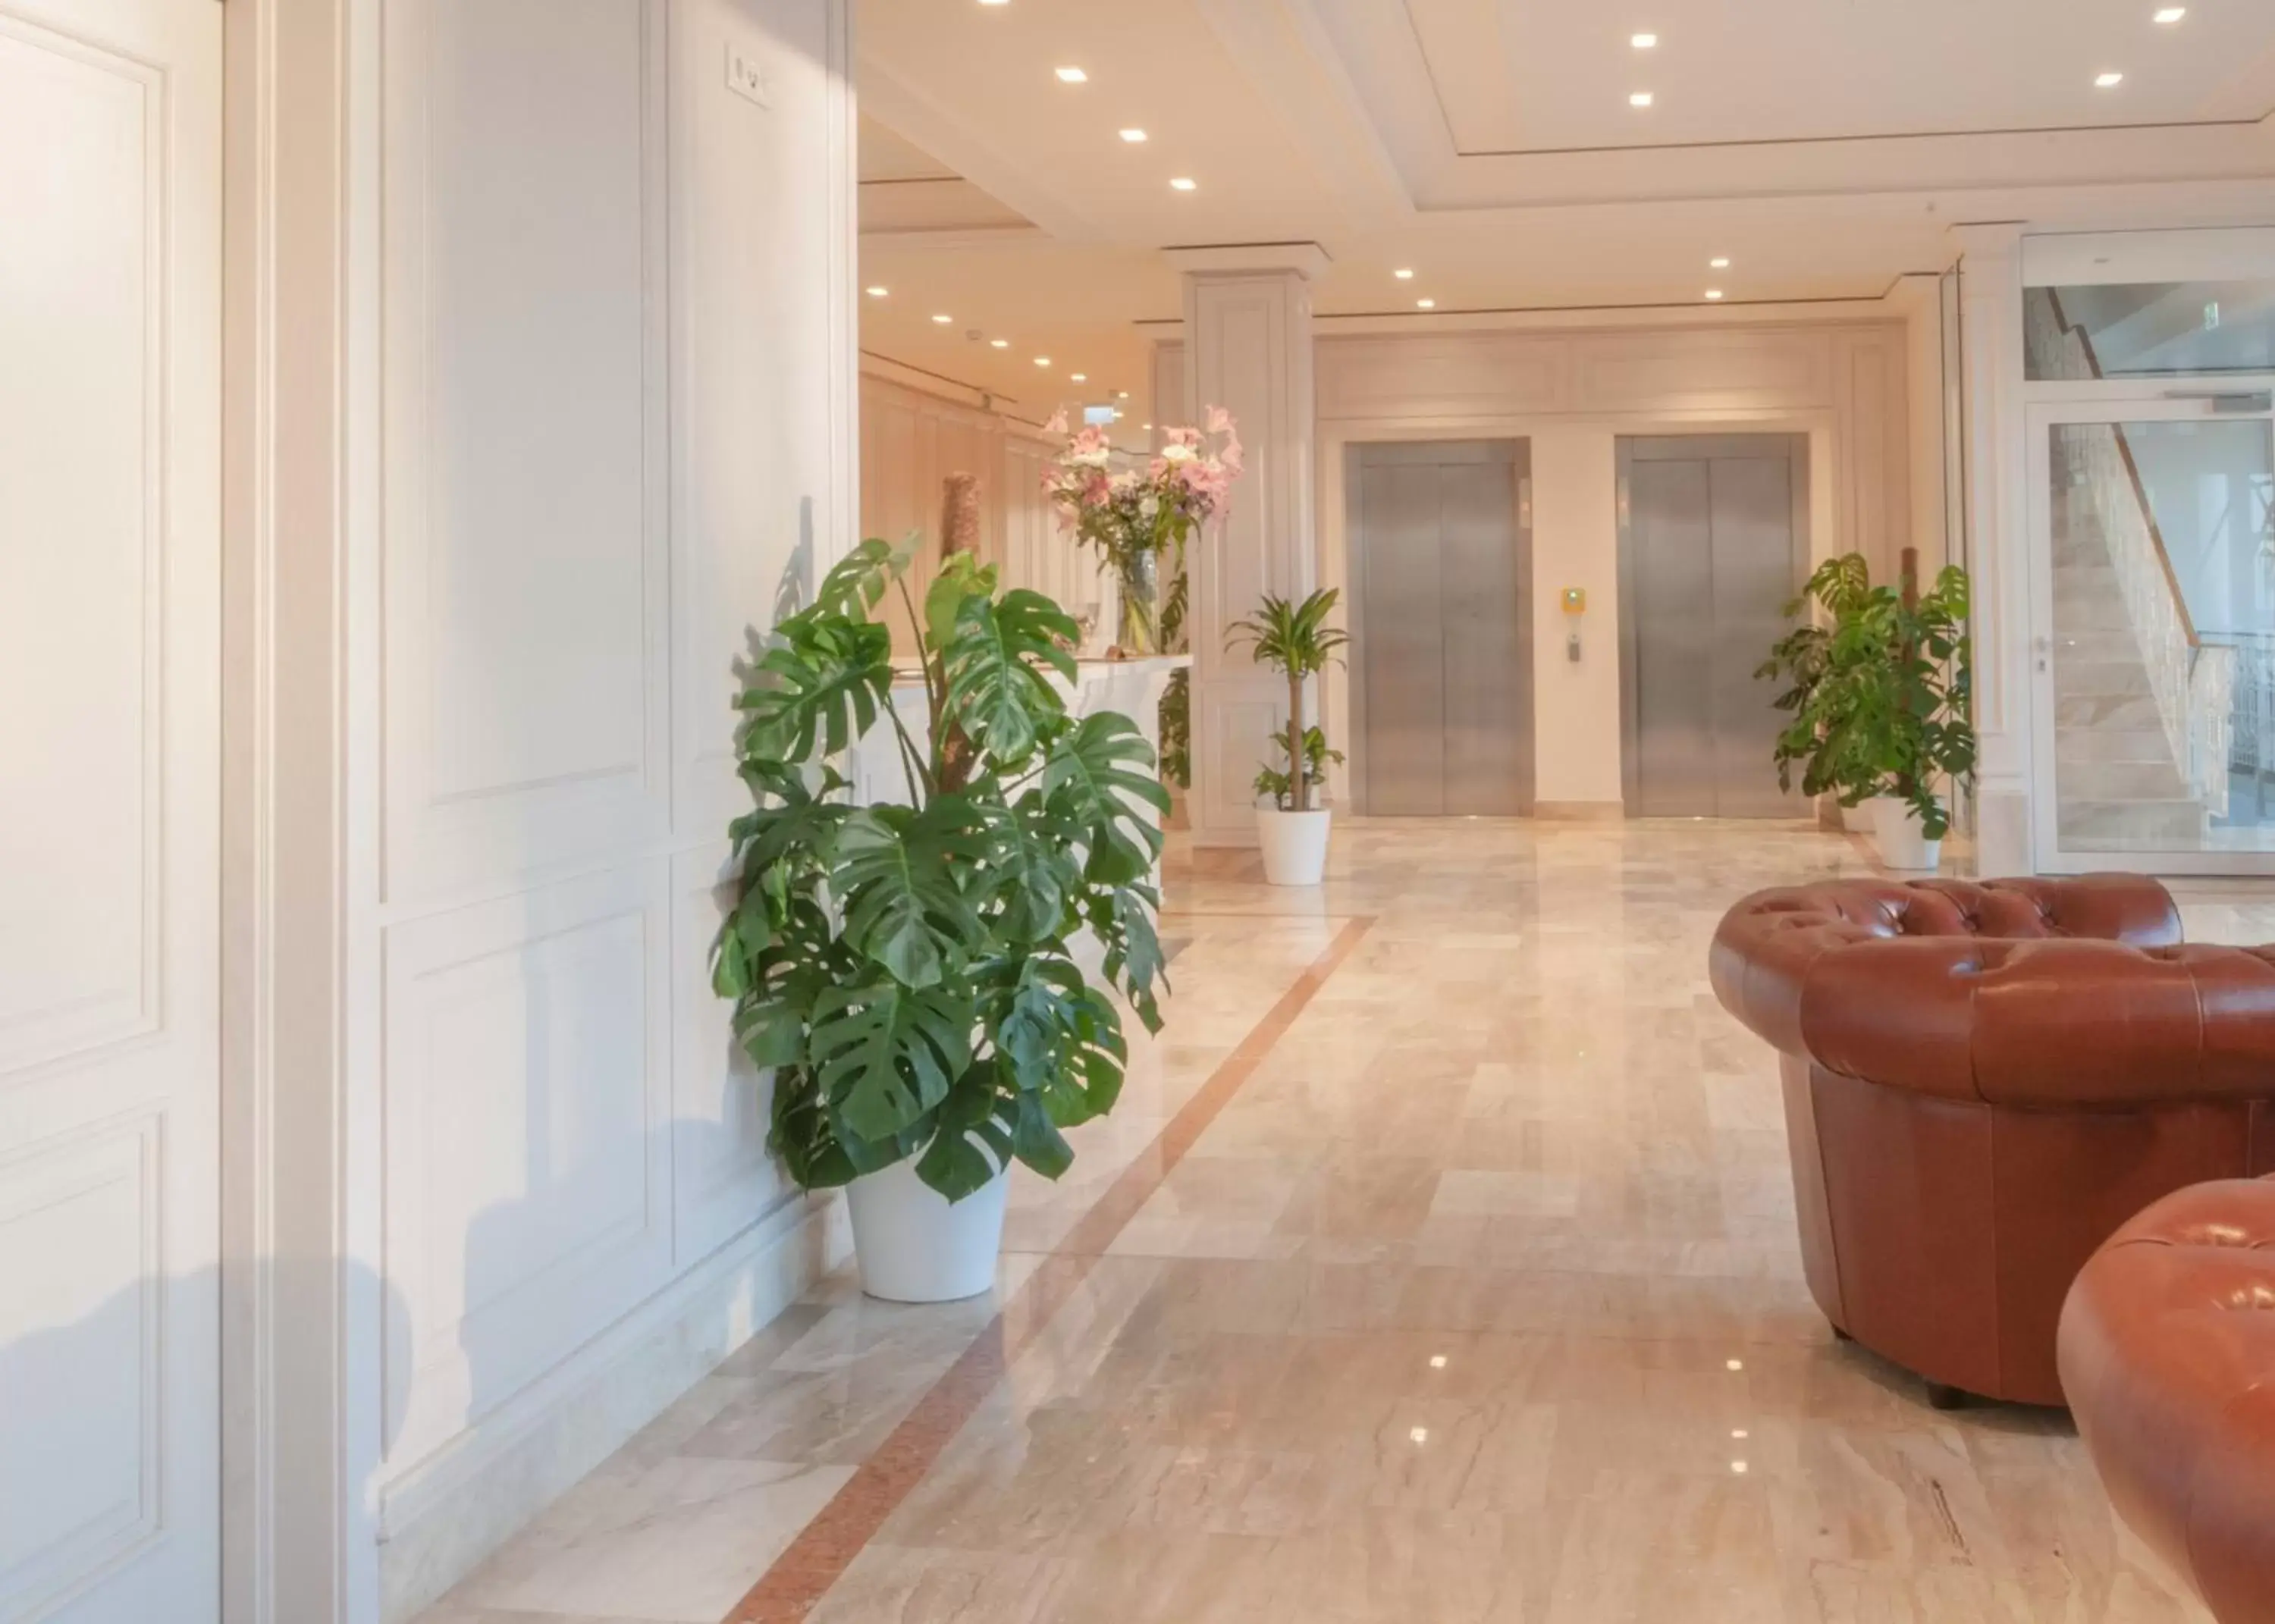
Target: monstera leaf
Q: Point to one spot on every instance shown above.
(1100, 776)
(895, 873)
(886, 1054)
(822, 684)
(1030, 870)
(996, 660)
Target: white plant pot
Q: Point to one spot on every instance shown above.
(1294, 845)
(1896, 831)
(915, 1245)
(1858, 819)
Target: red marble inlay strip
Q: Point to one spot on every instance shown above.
(825, 1547)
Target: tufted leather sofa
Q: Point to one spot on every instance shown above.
(1982, 1083)
(2168, 1357)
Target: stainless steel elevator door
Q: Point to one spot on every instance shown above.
(1713, 538)
(1441, 651)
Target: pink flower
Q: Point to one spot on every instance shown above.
(1220, 421)
(1057, 425)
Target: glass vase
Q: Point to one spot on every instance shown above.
(1137, 631)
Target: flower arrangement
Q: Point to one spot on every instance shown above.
(1135, 516)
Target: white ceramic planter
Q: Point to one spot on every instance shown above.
(917, 1246)
(1858, 819)
(1294, 845)
(1896, 832)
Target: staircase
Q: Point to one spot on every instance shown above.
(2143, 706)
(2113, 759)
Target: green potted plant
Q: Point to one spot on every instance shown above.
(912, 972)
(1826, 601)
(1892, 709)
(1294, 639)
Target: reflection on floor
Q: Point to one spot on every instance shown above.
(1440, 1265)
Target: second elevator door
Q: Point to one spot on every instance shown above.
(1441, 671)
(1712, 540)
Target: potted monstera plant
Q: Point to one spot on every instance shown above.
(913, 970)
(1296, 640)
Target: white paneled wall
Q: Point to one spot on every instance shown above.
(912, 440)
(615, 385)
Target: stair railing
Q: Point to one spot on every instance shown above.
(2192, 682)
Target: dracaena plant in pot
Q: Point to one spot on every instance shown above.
(914, 972)
(1296, 640)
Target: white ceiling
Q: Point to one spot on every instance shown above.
(1823, 146)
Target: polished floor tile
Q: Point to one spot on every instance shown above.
(1475, 1297)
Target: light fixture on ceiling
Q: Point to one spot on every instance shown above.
(1403, 274)
(1147, 427)
(995, 2)
(1640, 98)
(1713, 293)
(877, 292)
(942, 320)
(1426, 304)
(1184, 183)
(1644, 41)
(1122, 394)
(1720, 262)
(1071, 76)
(1079, 377)
(2108, 81)
(1042, 361)
(1000, 344)
(1133, 135)
(2171, 14)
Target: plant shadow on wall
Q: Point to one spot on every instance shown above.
(1296, 640)
(1879, 693)
(909, 972)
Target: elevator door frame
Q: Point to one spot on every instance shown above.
(1514, 450)
(1633, 448)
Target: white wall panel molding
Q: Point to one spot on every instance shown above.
(81, 1325)
(527, 503)
(526, 1103)
(82, 857)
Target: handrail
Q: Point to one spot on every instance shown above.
(2193, 685)
(2070, 329)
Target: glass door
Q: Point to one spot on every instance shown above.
(2153, 615)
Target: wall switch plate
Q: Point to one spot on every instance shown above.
(746, 77)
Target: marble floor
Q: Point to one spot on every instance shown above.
(1439, 1267)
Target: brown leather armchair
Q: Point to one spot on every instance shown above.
(1982, 1082)
(2168, 1358)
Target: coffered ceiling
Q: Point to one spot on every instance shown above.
(1822, 146)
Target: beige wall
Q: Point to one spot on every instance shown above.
(912, 438)
(1573, 393)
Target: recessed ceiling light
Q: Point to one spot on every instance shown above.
(1640, 98)
(1071, 76)
(1403, 274)
(1720, 262)
(1122, 394)
(1079, 377)
(2171, 14)
(1133, 135)
(943, 320)
(1426, 304)
(995, 2)
(2108, 81)
(1144, 425)
(1184, 183)
(879, 292)
(1042, 361)
(1713, 293)
(1000, 344)
(1643, 42)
